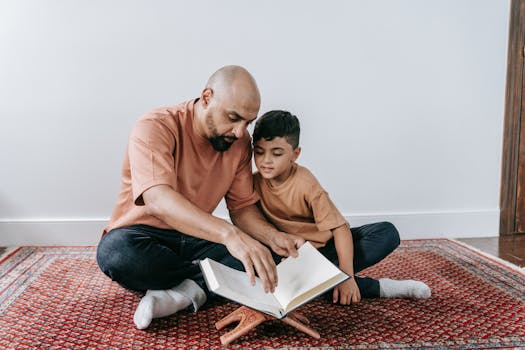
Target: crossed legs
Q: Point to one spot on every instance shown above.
(164, 264)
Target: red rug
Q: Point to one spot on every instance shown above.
(58, 298)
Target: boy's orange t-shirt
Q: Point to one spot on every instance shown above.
(164, 148)
(300, 206)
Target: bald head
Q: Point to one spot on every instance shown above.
(234, 81)
(227, 105)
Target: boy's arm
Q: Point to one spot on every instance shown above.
(251, 220)
(344, 246)
(348, 291)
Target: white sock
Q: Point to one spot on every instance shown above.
(159, 303)
(389, 288)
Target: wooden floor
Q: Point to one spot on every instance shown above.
(508, 248)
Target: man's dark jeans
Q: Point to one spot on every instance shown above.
(142, 257)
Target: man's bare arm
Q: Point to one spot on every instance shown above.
(251, 220)
(179, 213)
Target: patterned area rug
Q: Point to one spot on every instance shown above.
(58, 298)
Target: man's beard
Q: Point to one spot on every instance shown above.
(220, 144)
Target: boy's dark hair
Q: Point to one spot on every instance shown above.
(277, 124)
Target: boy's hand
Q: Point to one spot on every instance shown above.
(285, 244)
(347, 293)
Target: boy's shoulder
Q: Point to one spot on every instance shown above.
(305, 176)
(304, 172)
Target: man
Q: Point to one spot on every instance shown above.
(180, 162)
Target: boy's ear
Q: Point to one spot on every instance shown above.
(296, 153)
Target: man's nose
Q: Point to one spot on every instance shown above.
(239, 131)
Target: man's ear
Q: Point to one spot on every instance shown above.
(296, 153)
(206, 95)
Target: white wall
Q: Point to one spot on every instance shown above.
(401, 102)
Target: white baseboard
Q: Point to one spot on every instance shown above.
(51, 232)
(451, 224)
(410, 225)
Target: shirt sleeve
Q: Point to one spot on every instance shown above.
(326, 214)
(242, 192)
(150, 151)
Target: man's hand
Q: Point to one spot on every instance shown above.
(347, 293)
(255, 257)
(285, 244)
(174, 209)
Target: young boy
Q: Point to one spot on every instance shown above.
(294, 201)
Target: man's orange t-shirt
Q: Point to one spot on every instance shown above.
(300, 206)
(164, 148)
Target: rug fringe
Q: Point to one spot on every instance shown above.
(7, 252)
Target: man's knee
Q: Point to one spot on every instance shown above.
(116, 256)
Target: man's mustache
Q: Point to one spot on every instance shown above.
(230, 138)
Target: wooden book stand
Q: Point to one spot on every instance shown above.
(249, 319)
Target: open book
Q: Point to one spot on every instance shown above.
(299, 280)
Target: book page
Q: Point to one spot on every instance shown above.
(235, 285)
(299, 275)
(312, 293)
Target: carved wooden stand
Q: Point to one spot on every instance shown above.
(249, 319)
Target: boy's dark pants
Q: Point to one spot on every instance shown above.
(372, 243)
(142, 257)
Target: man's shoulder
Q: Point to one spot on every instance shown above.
(242, 147)
(160, 113)
(257, 178)
(163, 119)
